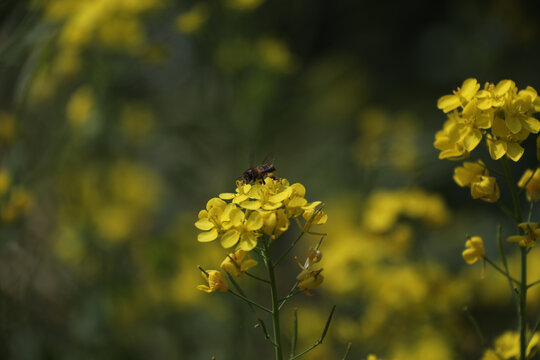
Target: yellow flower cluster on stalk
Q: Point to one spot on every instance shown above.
(257, 209)
(265, 207)
(500, 108)
(500, 115)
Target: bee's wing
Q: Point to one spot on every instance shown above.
(269, 159)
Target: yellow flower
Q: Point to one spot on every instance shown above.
(275, 223)
(518, 111)
(531, 182)
(216, 282)
(309, 278)
(214, 220)
(502, 141)
(460, 97)
(474, 175)
(528, 240)
(448, 140)
(371, 357)
(474, 250)
(237, 263)
(243, 230)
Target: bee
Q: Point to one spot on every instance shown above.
(258, 173)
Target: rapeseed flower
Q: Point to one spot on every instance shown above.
(237, 263)
(531, 182)
(507, 346)
(528, 240)
(500, 108)
(216, 282)
(475, 176)
(254, 209)
(474, 250)
(309, 278)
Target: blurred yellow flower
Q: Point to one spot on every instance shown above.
(5, 181)
(216, 282)
(237, 263)
(137, 121)
(18, 204)
(194, 19)
(274, 54)
(244, 5)
(474, 250)
(7, 128)
(533, 233)
(80, 105)
(507, 346)
(531, 182)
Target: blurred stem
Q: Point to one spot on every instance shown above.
(295, 332)
(289, 248)
(505, 264)
(522, 317)
(349, 345)
(496, 267)
(318, 342)
(275, 303)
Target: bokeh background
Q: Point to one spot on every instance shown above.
(119, 119)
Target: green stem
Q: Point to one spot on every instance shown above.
(496, 267)
(295, 333)
(249, 301)
(522, 317)
(523, 304)
(275, 303)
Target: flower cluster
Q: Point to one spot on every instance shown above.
(500, 108)
(240, 218)
(476, 176)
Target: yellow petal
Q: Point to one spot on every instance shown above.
(472, 138)
(251, 205)
(448, 103)
(532, 125)
(497, 149)
(277, 198)
(204, 224)
(207, 236)
(254, 222)
(513, 124)
(503, 86)
(248, 241)
(230, 238)
(227, 196)
(469, 88)
(514, 151)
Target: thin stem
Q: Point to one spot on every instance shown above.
(523, 303)
(295, 332)
(256, 277)
(349, 345)
(275, 304)
(291, 246)
(530, 211)
(533, 283)
(263, 326)
(290, 295)
(505, 264)
(522, 318)
(250, 301)
(318, 342)
(496, 267)
(475, 324)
